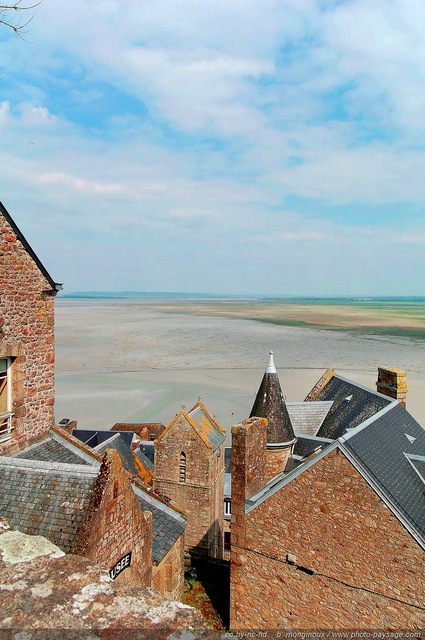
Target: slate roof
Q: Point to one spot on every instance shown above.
(352, 405)
(148, 449)
(47, 499)
(380, 451)
(307, 444)
(308, 417)
(102, 440)
(227, 485)
(143, 459)
(227, 459)
(50, 450)
(207, 426)
(167, 524)
(270, 403)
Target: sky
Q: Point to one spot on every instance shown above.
(251, 147)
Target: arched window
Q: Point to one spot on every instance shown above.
(182, 467)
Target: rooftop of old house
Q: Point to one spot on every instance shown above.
(308, 417)
(46, 498)
(206, 425)
(102, 440)
(352, 404)
(46, 488)
(387, 449)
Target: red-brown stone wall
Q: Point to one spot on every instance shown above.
(200, 497)
(168, 576)
(337, 526)
(116, 525)
(276, 460)
(27, 336)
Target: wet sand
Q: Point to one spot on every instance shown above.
(121, 361)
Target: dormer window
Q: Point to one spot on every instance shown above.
(182, 467)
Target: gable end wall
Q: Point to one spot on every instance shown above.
(335, 525)
(27, 336)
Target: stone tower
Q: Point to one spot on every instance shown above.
(270, 403)
(189, 469)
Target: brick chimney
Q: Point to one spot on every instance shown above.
(249, 441)
(392, 383)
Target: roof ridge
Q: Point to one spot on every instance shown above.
(43, 466)
(81, 449)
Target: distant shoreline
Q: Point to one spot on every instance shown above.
(398, 317)
(136, 295)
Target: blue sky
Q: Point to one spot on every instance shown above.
(271, 147)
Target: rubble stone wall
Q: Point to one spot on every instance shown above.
(116, 525)
(168, 576)
(27, 337)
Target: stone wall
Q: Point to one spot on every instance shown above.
(168, 576)
(64, 592)
(27, 337)
(200, 495)
(368, 569)
(116, 525)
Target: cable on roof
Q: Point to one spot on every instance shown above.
(311, 572)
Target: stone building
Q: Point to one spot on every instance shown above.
(189, 469)
(26, 340)
(91, 501)
(337, 539)
(86, 503)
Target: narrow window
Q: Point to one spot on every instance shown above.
(227, 540)
(5, 400)
(227, 507)
(182, 467)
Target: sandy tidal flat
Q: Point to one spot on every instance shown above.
(124, 361)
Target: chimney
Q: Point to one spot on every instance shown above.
(392, 383)
(249, 439)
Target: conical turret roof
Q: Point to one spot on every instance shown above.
(270, 404)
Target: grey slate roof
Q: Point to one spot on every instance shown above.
(308, 417)
(148, 449)
(49, 450)
(167, 524)
(270, 403)
(227, 485)
(227, 459)
(381, 451)
(307, 444)
(102, 440)
(352, 405)
(206, 427)
(143, 459)
(47, 499)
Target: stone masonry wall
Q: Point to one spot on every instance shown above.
(116, 525)
(336, 526)
(200, 497)
(276, 460)
(26, 336)
(168, 576)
